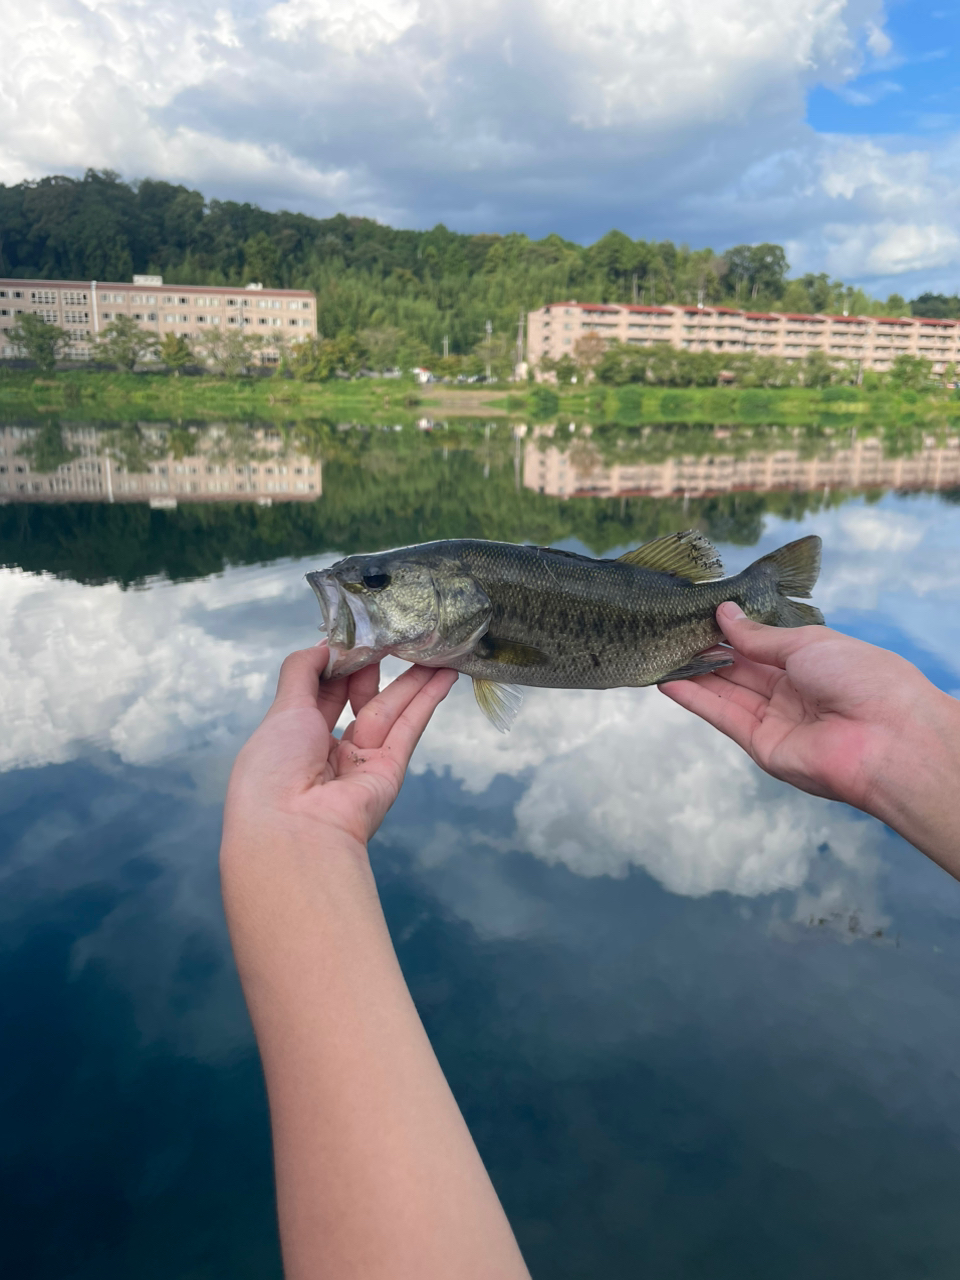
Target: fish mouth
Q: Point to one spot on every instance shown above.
(349, 628)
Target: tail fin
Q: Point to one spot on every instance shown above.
(795, 568)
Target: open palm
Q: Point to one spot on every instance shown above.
(816, 708)
(293, 771)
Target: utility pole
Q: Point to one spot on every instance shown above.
(635, 288)
(446, 345)
(520, 338)
(489, 328)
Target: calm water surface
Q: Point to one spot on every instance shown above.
(700, 1025)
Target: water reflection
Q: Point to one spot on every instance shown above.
(700, 1024)
(764, 462)
(152, 462)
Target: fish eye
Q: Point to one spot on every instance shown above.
(375, 581)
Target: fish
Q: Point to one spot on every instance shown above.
(511, 615)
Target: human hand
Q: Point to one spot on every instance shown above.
(294, 774)
(830, 714)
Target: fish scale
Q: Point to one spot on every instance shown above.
(508, 614)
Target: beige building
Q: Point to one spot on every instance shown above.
(263, 469)
(85, 307)
(873, 341)
(858, 464)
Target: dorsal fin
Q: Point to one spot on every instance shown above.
(684, 555)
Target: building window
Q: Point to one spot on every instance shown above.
(201, 319)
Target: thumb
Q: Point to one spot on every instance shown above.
(769, 645)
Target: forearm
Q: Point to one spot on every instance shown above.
(916, 790)
(377, 1174)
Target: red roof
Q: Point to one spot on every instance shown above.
(727, 311)
(651, 311)
(599, 306)
(804, 315)
(949, 324)
(760, 315)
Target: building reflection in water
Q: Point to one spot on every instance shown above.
(154, 462)
(576, 468)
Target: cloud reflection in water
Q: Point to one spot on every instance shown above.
(610, 780)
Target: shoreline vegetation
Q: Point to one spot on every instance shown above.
(86, 395)
(387, 486)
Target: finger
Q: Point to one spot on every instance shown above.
(301, 685)
(770, 645)
(757, 676)
(715, 705)
(380, 714)
(408, 730)
(363, 686)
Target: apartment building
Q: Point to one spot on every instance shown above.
(873, 341)
(265, 470)
(859, 464)
(84, 307)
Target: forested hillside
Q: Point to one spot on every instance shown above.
(368, 277)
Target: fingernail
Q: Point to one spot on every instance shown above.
(731, 610)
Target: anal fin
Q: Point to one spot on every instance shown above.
(701, 665)
(498, 702)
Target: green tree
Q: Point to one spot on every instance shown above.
(911, 373)
(231, 351)
(756, 269)
(261, 260)
(818, 370)
(175, 352)
(41, 342)
(936, 306)
(319, 359)
(122, 342)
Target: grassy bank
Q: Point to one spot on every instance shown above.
(111, 396)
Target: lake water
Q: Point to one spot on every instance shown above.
(700, 1025)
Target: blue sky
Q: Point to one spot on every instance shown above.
(913, 90)
(829, 126)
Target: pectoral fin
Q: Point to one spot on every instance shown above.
(498, 702)
(510, 652)
(701, 665)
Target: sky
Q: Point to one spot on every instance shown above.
(829, 126)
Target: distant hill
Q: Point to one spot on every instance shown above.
(421, 284)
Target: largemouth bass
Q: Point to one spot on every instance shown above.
(511, 615)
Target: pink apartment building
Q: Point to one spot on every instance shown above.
(874, 341)
(85, 307)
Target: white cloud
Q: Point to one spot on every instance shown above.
(682, 120)
(878, 42)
